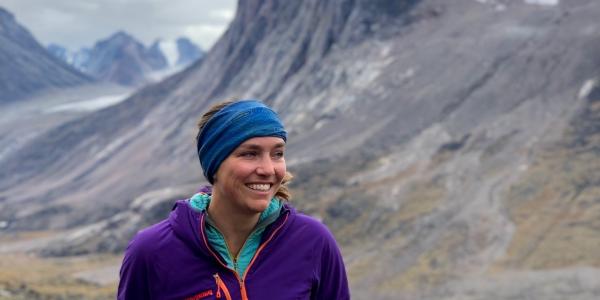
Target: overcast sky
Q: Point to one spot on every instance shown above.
(80, 23)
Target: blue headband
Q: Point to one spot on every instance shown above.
(230, 127)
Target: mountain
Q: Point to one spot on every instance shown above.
(122, 59)
(187, 51)
(26, 67)
(452, 148)
(156, 59)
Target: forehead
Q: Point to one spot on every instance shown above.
(263, 142)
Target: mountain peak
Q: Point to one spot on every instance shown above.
(122, 36)
(188, 51)
(122, 59)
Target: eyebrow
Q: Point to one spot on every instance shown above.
(255, 146)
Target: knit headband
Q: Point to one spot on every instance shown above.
(230, 127)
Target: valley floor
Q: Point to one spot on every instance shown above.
(28, 276)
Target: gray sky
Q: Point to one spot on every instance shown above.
(80, 23)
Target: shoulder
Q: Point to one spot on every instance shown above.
(311, 227)
(149, 239)
(309, 222)
(177, 228)
(324, 248)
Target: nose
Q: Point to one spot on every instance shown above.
(265, 167)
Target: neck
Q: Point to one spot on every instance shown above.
(235, 226)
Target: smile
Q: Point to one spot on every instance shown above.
(259, 186)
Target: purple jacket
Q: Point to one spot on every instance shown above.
(297, 259)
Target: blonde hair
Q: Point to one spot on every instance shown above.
(283, 192)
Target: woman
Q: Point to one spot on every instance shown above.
(240, 239)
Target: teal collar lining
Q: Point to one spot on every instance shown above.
(199, 203)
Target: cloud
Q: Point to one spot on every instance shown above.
(223, 14)
(204, 32)
(81, 23)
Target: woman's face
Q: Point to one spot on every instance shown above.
(250, 176)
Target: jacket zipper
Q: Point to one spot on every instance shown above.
(240, 280)
(221, 285)
(235, 258)
(243, 286)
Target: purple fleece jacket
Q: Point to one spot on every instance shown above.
(298, 259)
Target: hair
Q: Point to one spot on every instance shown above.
(283, 192)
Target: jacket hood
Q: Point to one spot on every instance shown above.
(186, 224)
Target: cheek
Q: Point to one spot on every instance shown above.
(280, 171)
(239, 171)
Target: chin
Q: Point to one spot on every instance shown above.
(260, 205)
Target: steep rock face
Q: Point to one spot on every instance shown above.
(26, 67)
(426, 134)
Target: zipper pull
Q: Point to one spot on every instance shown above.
(218, 281)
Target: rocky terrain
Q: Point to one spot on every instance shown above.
(26, 67)
(451, 146)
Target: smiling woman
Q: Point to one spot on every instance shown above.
(248, 179)
(239, 238)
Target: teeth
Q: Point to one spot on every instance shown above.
(260, 187)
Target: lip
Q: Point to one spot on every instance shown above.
(258, 182)
(259, 191)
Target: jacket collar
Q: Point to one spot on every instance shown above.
(187, 225)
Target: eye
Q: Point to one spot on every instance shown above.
(278, 154)
(248, 154)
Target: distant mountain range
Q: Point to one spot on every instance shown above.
(26, 67)
(123, 59)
